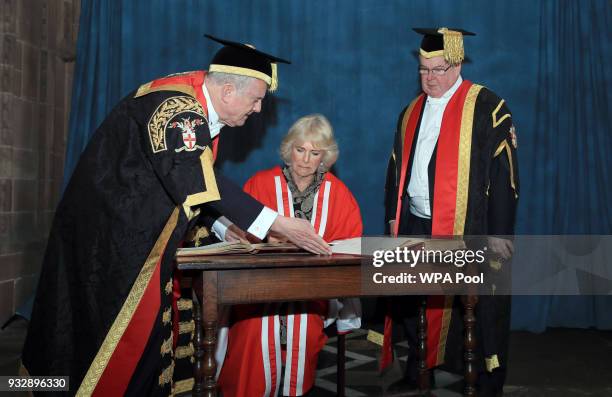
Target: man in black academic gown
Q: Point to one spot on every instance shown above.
(104, 312)
(453, 172)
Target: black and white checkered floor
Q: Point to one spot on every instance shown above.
(559, 363)
(362, 376)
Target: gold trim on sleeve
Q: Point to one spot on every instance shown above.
(512, 184)
(497, 122)
(132, 301)
(168, 287)
(505, 146)
(465, 152)
(500, 148)
(212, 191)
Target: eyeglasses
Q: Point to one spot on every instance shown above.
(438, 71)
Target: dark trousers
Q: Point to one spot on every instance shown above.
(405, 310)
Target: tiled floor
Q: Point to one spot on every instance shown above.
(559, 363)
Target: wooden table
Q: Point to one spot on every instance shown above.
(240, 279)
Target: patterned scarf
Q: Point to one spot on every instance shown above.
(303, 202)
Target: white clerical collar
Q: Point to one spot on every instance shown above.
(214, 125)
(448, 94)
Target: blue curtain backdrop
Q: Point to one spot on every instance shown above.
(355, 62)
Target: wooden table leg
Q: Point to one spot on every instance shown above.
(469, 303)
(423, 381)
(206, 366)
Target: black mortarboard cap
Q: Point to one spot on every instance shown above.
(447, 42)
(245, 60)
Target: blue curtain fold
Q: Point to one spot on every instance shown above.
(567, 189)
(355, 62)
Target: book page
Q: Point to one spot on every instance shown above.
(349, 246)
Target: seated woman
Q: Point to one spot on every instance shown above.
(262, 337)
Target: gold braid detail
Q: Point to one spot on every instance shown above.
(184, 304)
(446, 317)
(494, 119)
(186, 327)
(99, 363)
(162, 115)
(183, 386)
(465, 152)
(184, 351)
(167, 374)
(166, 347)
(167, 316)
(453, 46)
(505, 146)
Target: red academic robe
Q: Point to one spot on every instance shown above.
(252, 365)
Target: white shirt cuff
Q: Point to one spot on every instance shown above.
(220, 227)
(259, 228)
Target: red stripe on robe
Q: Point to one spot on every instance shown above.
(409, 134)
(444, 204)
(122, 364)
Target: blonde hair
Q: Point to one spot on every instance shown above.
(313, 128)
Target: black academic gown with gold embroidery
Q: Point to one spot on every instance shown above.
(490, 189)
(102, 309)
(493, 178)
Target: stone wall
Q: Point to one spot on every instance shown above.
(37, 51)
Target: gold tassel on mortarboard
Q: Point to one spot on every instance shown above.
(274, 83)
(453, 46)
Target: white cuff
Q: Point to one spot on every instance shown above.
(259, 228)
(220, 227)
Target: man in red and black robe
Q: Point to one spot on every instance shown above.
(103, 313)
(453, 172)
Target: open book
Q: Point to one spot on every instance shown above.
(227, 248)
(361, 246)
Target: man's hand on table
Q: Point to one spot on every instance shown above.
(301, 233)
